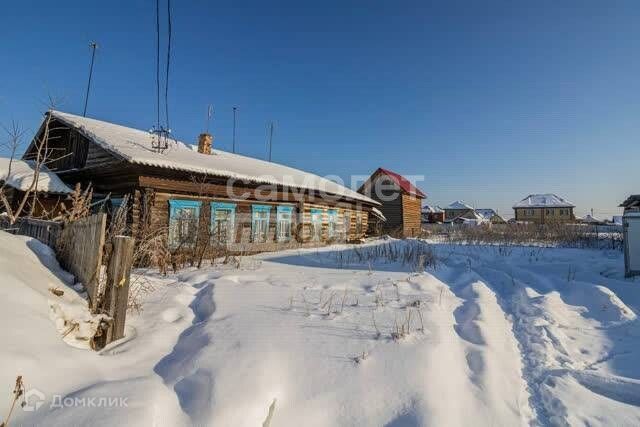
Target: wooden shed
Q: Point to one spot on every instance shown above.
(243, 203)
(401, 202)
(40, 188)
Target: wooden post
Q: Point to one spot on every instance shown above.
(117, 289)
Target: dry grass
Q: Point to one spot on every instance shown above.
(504, 236)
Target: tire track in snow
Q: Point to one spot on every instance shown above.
(544, 355)
(493, 351)
(531, 337)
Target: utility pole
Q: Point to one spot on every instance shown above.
(270, 139)
(235, 109)
(93, 46)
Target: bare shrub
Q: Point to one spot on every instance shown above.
(18, 394)
(416, 254)
(505, 236)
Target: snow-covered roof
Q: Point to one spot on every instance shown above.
(458, 204)
(591, 219)
(431, 209)
(134, 146)
(377, 212)
(20, 177)
(486, 213)
(543, 201)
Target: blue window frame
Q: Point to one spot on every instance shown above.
(332, 224)
(183, 222)
(260, 222)
(316, 224)
(223, 221)
(283, 220)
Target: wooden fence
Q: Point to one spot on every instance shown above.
(80, 248)
(45, 231)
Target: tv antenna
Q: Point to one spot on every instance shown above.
(93, 46)
(161, 133)
(209, 116)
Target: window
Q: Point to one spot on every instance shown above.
(332, 216)
(183, 222)
(529, 212)
(223, 219)
(260, 222)
(283, 218)
(347, 224)
(358, 223)
(316, 225)
(550, 212)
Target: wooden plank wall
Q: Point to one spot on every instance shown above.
(80, 248)
(46, 232)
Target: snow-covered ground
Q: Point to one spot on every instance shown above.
(342, 336)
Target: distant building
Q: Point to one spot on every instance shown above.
(631, 204)
(16, 179)
(432, 214)
(400, 202)
(591, 220)
(491, 216)
(469, 218)
(456, 209)
(544, 209)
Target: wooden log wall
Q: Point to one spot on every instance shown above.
(411, 216)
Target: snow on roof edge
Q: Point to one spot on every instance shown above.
(321, 183)
(21, 177)
(543, 201)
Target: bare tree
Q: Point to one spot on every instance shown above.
(39, 159)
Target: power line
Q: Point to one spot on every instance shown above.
(158, 64)
(93, 46)
(166, 87)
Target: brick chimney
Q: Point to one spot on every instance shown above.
(204, 143)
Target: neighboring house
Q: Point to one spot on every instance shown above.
(589, 219)
(432, 214)
(631, 204)
(544, 209)
(17, 178)
(400, 201)
(456, 209)
(471, 218)
(247, 204)
(491, 216)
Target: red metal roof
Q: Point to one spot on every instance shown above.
(403, 183)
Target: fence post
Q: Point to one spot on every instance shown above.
(117, 288)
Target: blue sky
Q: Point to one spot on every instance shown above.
(490, 101)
